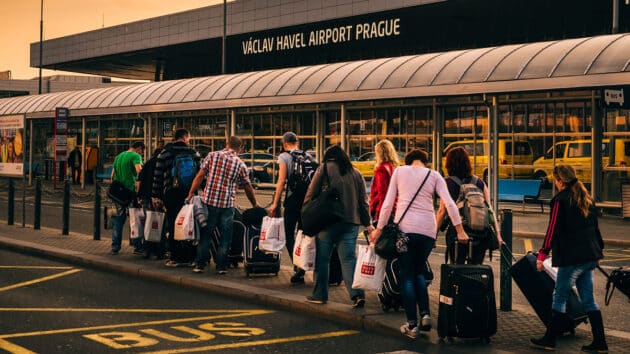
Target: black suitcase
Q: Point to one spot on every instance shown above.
(235, 254)
(467, 306)
(257, 261)
(537, 287)
(389, 295)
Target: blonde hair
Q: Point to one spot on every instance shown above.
(385, 152)
(579, 194)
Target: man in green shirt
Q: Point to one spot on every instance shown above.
(126, 167)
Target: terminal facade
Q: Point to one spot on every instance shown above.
(531, 75)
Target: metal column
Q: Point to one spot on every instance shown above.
(83, 153)
(342, 130)
(232, 123)
(493, 147)
(437, 139)
(30, 153)
(596, 154)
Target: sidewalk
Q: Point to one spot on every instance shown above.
(515, 327)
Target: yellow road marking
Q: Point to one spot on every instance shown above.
(14, 349)
(137, 324)
(39, 280)
(35, 309)
(257, 342)
(529, 246)
(32, 267)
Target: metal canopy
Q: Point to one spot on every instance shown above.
(566, 64)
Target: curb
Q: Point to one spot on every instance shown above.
(333, 311)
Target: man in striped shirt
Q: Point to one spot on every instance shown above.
(224, 173)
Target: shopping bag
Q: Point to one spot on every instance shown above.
(185, 229)
(136, 222)
(153, 226)
(369, 271)
(304, 252)
(272, 237)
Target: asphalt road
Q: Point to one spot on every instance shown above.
(53, 307)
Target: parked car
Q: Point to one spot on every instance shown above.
(523, 155)
(258, 165)
(577, 153)
(366, 163)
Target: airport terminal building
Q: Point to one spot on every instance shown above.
(545, 80)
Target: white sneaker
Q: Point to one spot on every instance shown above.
(411, 333)
(425, 323)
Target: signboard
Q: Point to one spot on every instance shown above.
(12, 145)
(61, 133)
(167, 129)
(616, 97)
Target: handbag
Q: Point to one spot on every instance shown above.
(392, 241)
(322, 210)
(119, 194)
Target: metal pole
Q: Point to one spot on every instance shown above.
(66, 207)
(342, 129)
(41, 38)
(83, 153)
(30, 153)
(11, 206)
(506, 279)
(38, 205)
(97, 210)
(223, 39)
(493, 152)
(23, 200)
(615, 18)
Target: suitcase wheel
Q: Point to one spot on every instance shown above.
(485, 340)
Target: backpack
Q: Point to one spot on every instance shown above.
(303, 169)
(183, 171)
(472, 207)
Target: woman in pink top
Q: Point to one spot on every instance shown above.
(420, 225)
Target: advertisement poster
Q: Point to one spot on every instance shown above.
(12, 146)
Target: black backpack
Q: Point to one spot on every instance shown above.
(303, 169)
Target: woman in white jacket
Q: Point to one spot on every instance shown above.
(420, 226)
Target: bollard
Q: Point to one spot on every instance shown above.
(66, 207)
(105, 216)
(11, 210)
(37, 220)
(97, 211)
(506, 262)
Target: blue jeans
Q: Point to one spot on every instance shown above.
(581, 276)
(345, 237)
(223, 218)
(118, 222)
(413, 286)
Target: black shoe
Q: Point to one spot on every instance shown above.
(114, 252)
(595, 348)
(358, 302)
(298, 278)
(544, 343)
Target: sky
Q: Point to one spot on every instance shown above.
(19, 23)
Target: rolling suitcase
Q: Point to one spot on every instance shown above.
(389, 295)
(467, 306)
(257, 261)
(537, 287)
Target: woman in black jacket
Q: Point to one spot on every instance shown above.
(575, 241)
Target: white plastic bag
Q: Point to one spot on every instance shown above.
(304, 252)
(185, 229)
(272, 237)
(153, 226)
(369, 271)
(136, 222)
(549, 269)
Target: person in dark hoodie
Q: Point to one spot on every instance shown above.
(144, 186)
(175, 168)
(576, 243)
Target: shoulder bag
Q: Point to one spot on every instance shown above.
(120, 194)
(322, 210)
(392, 241)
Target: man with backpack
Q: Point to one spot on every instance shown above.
(175, 169)
(296, 169)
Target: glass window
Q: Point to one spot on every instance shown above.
(522, 148)
(579, 150)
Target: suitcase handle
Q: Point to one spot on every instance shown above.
(470, 246)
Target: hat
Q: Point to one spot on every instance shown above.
(289, 137)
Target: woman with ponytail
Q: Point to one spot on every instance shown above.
(576, 244)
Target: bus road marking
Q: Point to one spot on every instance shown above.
(218, 315)
(257, 342)
(32, 267)
(14, 349)
(39, 280)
